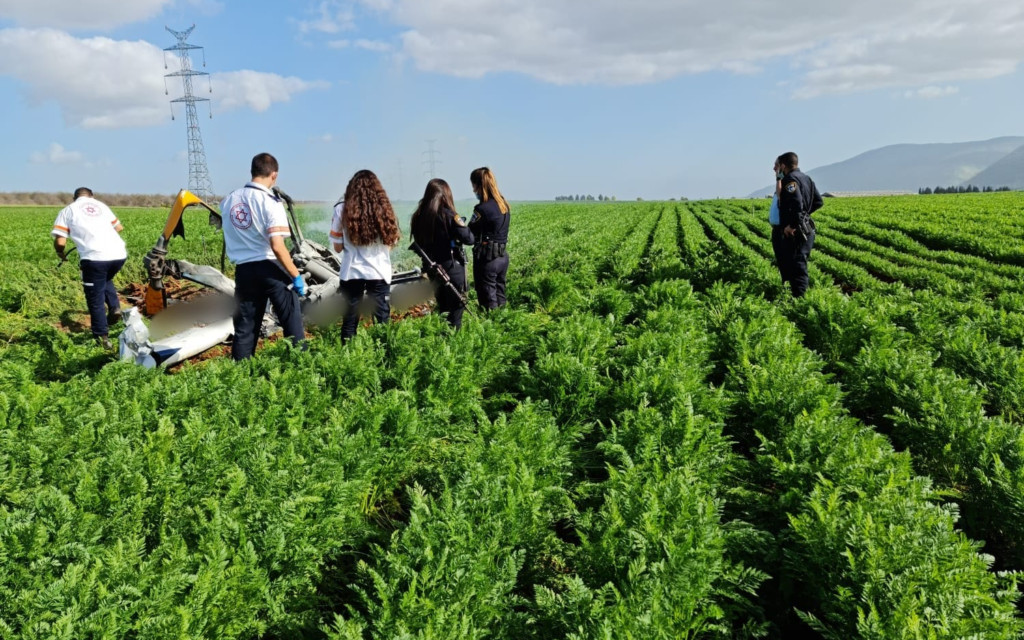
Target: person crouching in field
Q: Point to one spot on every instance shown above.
(440, 232)
(95, 230)
(489, 225)
(793, 237)
(363, 230)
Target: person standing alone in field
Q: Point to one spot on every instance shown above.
(364, 229)
(489, 225)
(441, 233)
(793, 235)
(255, 227)
(96, 232)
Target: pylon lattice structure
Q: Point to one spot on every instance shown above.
(431, 160)
(198, 174)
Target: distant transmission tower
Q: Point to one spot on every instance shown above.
(431, 160)
(198, 174)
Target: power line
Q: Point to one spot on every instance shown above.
(198, 175)
(432, 161)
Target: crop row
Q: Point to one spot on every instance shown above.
(632, 449)
(974, 226)
(914, 370)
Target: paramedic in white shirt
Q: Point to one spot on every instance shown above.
(95, 230)
(255, 226)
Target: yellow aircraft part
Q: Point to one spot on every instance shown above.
(184, 200)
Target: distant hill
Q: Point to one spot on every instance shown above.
(1008, 172)
(908, 167)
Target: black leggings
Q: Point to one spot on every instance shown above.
(353, 291)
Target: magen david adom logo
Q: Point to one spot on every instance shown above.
(240, 216)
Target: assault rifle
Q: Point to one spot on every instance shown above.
(436, 270)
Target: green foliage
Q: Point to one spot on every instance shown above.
(651, 441)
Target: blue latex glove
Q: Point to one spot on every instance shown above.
(300, 285)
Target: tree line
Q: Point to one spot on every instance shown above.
(970, 188)
(586, 198)
(63, 198)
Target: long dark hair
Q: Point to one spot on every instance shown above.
(486, 185)
(436, 198)
(368, 215)
(789, 161)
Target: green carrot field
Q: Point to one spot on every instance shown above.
(652, 441)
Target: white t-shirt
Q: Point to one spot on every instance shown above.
(252, 216)
(369, 262)
(90, 225)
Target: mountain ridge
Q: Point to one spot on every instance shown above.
(909, 167)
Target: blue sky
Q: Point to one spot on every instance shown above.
(653, 98)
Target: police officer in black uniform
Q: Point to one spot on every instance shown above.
(489, 225)
(441, 233)
(793, 237)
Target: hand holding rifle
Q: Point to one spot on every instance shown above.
(437, 271)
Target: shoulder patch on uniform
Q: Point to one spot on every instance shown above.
(459, 221)
(791, 187)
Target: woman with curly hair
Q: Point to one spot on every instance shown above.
(364, 230)
(441, 233)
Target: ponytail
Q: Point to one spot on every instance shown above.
(484, 181)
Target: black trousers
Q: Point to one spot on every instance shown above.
(98, 282)
(447, 301)
(791, 255)
(256, 283)
(353, 291)
(489, 281)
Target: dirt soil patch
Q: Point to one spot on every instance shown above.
(179, 290)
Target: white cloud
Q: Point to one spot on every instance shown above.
(205, 7)
(257, 90)
(100, 83)
(378, 5)
(80, 14)
(56, 154)
(932, 91)
(330, 16)
(829, 48)
(325, 138)
(378, 46)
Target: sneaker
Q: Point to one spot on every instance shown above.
(104, 342)
(114, 317)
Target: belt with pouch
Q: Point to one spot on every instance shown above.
(488, 250)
